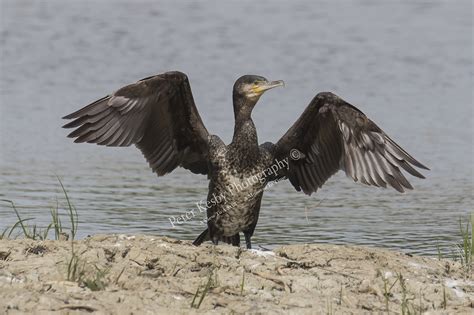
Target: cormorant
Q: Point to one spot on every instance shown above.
(159, 116)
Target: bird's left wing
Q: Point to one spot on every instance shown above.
(157, 114)
(333, 135)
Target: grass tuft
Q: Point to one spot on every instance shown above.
(20, 222)
(75, 267)
(406, 310)
(72, 212)
(387, 292)
(98, 282)
(203, 294)
(77, 271)
(465, 250)
(35, 233)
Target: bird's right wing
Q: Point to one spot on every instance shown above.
(157, 114)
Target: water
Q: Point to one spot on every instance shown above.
(407, 65)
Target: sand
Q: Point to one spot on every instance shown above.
(119, 274)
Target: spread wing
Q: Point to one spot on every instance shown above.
(157, 114)
(333, 135)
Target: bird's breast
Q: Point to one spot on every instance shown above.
(239, 191)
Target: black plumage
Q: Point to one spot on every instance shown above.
(159, 116)
(334, 135)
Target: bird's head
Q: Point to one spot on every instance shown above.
(249, 88)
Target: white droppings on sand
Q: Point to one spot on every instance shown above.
(7, 277)
(254, 266)
(126, 237)
(262, 253)
(418, 266)
(452, 284)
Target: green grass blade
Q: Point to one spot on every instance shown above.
(16, 224)
(206, 289)
(472, 235)
(20, 221)
(195, 296)
(72, 211)
(46, 231)
(56, 221)
(4, 232)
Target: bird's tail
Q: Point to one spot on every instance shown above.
(204, 236)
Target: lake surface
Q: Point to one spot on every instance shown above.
(407, 65)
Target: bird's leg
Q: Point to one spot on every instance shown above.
(247, 240)
(236, 240)
(215, 240)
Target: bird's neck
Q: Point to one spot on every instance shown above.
(245, 133)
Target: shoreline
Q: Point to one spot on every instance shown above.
(110, 274)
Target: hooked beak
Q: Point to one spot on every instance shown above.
(268, 85)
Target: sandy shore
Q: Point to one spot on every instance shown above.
(118, 274)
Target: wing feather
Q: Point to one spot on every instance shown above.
(334, 135)
(157, 114)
